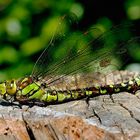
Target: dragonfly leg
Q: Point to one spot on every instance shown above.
(87, 100)
(16, 105)
(27, 107)
(111, 97)
(9, 101)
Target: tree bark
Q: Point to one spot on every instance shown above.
(104, 118)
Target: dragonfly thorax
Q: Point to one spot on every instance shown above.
(22, 83)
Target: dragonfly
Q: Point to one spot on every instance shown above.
(79, 72)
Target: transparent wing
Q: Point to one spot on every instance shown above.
(71, 52)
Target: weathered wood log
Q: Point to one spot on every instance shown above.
(105, 118)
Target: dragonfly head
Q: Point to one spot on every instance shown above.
(11, 87)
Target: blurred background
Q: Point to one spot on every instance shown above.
(27, 26)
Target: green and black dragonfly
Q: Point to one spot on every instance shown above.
(76, 73)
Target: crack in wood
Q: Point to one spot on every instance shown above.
(29, 130)
(130, 112)
(52, 132)
(138, 97)
(121, 130)
(95, 114)
(111, 97)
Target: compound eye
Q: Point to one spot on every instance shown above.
(11, 87)
(12, 83)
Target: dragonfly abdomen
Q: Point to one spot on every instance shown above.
(130, 86)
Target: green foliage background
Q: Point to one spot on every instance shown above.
(26, 27)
